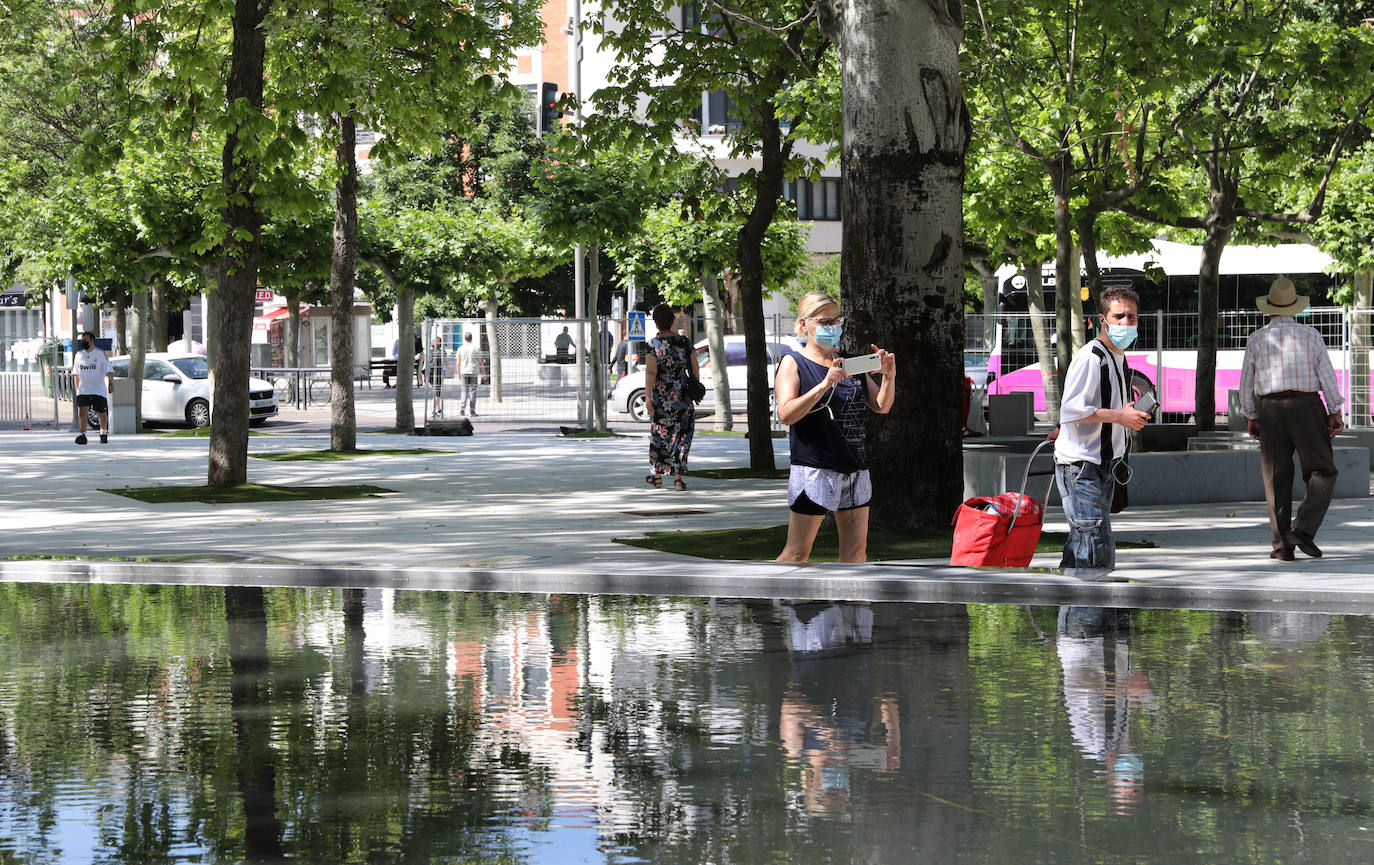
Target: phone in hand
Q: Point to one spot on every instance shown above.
(1147, 403)
(861, 364)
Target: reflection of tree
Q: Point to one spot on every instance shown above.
(255, 762)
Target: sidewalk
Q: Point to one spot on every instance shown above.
(519, 508)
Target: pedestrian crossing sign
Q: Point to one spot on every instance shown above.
(637, 326)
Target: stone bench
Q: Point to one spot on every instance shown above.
(1168, 478)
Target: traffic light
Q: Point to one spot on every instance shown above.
(549, 113)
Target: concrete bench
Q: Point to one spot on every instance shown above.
(1172, 477)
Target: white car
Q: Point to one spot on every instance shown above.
(176, 389)
(628, 395)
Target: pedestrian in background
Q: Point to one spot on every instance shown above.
(670, 363)
(1286, 364)
(437, 368)
(827, 415)
(470, 367)
(94, 378)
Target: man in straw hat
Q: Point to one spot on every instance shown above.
(1286, 364)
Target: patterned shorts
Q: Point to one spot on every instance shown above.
(827, 490)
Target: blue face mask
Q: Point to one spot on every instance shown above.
(1121, 335)
(828, 336)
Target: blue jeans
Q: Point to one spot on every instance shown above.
(1086, 491)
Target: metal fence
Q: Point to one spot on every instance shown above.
(1166, 351)
(16, 399)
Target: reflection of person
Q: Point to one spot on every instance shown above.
(437, 368)
(827, 412)
(671, 360)
(1094, 417)
(470, 367)
(829, 723)
(1100, 691)
(1286, 364)
(94, 379)
(562, 345)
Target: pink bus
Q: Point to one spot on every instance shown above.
(1165, 351)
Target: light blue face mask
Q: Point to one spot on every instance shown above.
(1121, 335)
(828, 336)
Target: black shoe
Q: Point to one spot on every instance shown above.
(104, 439)
(1283, 555)
(81, 439)
(1307, 545)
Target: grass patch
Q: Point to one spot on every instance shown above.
(736, 474)
(573, 433)
(246, 493)
(198, 433)
(330, 456)
(764, 544)
(392, 430)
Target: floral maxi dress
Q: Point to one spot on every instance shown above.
(674, 418)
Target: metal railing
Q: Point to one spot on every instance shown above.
(1166, 351)
(16, 398)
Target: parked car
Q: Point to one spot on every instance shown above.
(176, 389)
(628, 395)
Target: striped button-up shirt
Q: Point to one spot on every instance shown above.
(1285, 355)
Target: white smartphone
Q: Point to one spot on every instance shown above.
(861, 364)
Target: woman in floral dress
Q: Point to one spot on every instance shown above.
(671, 361)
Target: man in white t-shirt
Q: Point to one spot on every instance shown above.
(93, 377)
(471, 368)
(1092, 436)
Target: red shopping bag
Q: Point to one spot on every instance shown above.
(999, 531)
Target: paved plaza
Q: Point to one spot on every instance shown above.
(522, 508)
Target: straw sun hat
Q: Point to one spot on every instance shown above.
(1283, 299)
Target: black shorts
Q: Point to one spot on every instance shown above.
(804, 506)
(95, 401)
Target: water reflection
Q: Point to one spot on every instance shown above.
(146, 724)
(1101, 692)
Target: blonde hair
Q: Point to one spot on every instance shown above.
(810, 303)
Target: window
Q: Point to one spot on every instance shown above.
(154, 370)
(816, 200)
(120, 368)
(734, 354)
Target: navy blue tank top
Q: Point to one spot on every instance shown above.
(833, 434)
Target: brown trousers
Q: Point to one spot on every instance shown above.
(1289, 424)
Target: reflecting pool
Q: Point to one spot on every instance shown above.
(176, 724)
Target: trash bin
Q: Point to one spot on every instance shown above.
(122, 418)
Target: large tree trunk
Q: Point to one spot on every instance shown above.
(405, 358)
(1360, 344)
(293, 329)
(343, 424)
(157, 323)
(594, 342)
(749, 251)
(715, 346)
(1219, 224)
(121, 345)
(138, 348)
(906, 129)
(490, 306)
(236, 275)
(1067, 307)
(1040, 332)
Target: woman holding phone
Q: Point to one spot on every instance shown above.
(827, 413)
